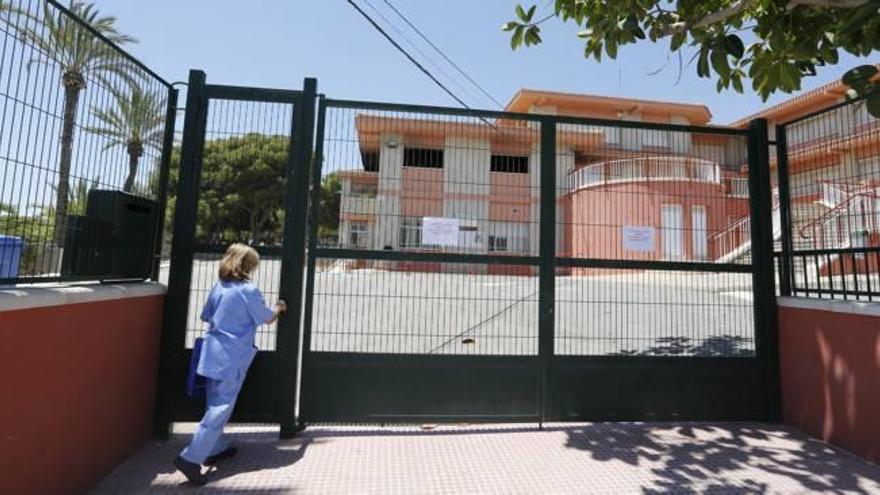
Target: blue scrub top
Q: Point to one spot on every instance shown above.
(233, 312)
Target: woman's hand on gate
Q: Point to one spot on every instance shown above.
(280, 306)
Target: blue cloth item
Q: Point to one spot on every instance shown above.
(11, 249)
(208, 439)
(196, 383)
(233, 312)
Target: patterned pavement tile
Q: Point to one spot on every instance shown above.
(617, 458)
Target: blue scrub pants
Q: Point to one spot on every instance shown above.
(208, 439)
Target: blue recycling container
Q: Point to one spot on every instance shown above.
(11, 248)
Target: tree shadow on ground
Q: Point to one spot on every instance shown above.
(678, 464)
(715, 346)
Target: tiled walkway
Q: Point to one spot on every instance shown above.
(581, 458)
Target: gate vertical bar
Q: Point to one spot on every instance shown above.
(296, 205)
(164, 173)
(786, 267)
(173, 336)
(314, 218)
(547, 263)
(766, 319)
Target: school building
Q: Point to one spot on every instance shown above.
(622, 193)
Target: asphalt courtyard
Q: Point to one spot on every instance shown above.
(619, 458)
(598, 313)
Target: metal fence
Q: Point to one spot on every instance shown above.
(241, 193)
(77, 114)
(829, 180)
(636, 203)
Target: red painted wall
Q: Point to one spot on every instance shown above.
(77, 386)
(598, 213)
(830, 369)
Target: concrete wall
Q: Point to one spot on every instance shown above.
(78, 371)
(830, 371)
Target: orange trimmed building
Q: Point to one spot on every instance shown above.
(687, 190)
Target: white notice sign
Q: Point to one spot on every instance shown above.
(438, 231)
(638, 239)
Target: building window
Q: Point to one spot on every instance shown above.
(509, 164)
(422, 158)
(410, 232)
(497, 244)
(371, 160)
(364, 189)
(357, 234)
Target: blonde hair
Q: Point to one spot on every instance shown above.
(238, 263)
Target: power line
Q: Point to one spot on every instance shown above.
(420, 51)
(442, 54)
(407, 55)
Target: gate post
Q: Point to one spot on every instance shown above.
(296, 205)
(173, 335)
(547, 260)
(763, 279)
(164, 173)
(786, 262)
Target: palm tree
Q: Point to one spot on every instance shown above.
(82, 57)
(135, 123)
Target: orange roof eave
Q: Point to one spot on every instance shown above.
(697, 114)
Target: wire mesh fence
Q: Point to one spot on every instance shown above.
(241, 199)
(832, 173)
(411, 181)
(447, 309)
(77, 115)
(654, 313)
(652, 194)
(404, 186)
(206, 265)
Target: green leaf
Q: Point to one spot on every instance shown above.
(873, 105)
(521, 13)
(585, 33)
(859, 76)
(703, 63)
(734, 46)
(531, 13)
(517, 37)
(611, 48)
(509, 26)
(737, 83)
(719, 63)
(678, 39)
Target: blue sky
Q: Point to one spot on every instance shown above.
(277, 43)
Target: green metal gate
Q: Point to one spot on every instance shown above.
(485, 266)
(264, 127)
(495, 266)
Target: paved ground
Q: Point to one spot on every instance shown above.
(565, 458)
(637, 312)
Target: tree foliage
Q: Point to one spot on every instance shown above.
(242, 189)
(135, 122)
(82, 57)
(773, 43)
(331, 196)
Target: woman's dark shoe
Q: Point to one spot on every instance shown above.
(191, 470)
(225, 454)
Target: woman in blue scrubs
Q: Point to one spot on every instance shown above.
(234, 309)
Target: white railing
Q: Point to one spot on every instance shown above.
(739, 187)
(660, 168)
(832, 194)
(736, 239)
(844, 225)
(357, 204)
